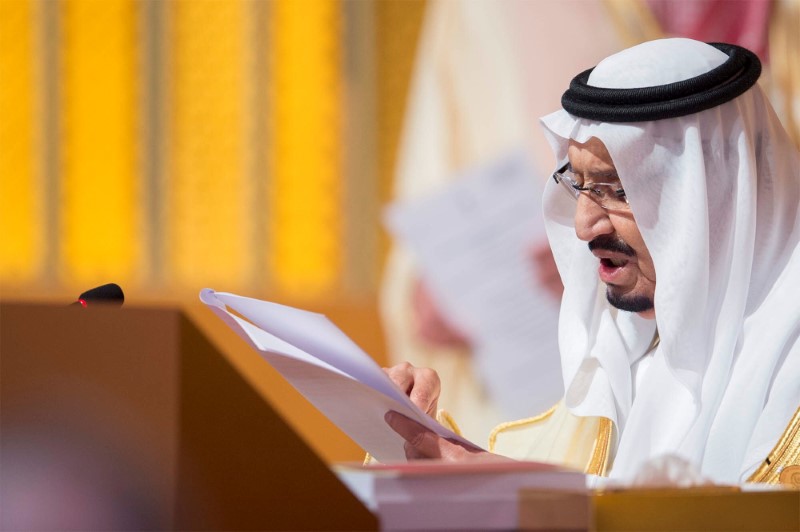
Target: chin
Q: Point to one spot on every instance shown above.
(639, 303)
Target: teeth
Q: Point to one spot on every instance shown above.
(617, 262)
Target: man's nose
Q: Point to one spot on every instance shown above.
(591, 220)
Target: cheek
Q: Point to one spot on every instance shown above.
(648, 268)
(629, 232)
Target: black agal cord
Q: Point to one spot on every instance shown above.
(724, 83)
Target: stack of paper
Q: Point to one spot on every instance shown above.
(431, 495)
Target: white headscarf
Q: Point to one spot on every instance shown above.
(716, 196)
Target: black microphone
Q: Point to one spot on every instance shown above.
(110, 294)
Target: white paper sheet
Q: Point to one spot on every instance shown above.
(472, 242)
(327, 368)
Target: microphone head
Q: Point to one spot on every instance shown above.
(109, 293)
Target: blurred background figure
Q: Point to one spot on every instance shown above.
(482, 78)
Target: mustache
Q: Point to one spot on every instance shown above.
(610, 243)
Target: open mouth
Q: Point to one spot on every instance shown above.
(614, 271)
(613, 263)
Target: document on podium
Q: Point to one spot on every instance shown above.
(327, 368)
(472, 242)
(436, 495)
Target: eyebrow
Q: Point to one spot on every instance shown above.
(607, 174)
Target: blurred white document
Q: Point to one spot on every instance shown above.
(472, 242)
(327, 368)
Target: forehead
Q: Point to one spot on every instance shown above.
(590, 157)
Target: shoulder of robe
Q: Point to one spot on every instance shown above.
(557, 436)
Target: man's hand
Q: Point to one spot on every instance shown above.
(422, 443)
(421, 385)
(431, 325)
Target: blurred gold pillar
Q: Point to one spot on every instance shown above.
(305, 204)
(167, 146)
(206, 237)
(99, 222)
(22, 242)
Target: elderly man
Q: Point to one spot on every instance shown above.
(680, 325)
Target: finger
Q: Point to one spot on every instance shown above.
(420, 442)
(412, 453)
(425, 392)
(421, 384)
(402, 375)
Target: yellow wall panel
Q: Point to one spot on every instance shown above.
(209, 193)
(100, 218)
(22, 216)
(306, 171)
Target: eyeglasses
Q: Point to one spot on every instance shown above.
(610, 196)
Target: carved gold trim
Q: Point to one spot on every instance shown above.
(598, 464)
(790, 477)
(518, 423)
(784, 455)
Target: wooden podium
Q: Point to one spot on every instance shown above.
(120, 419)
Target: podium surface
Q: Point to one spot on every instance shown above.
(706, 508)
(131, 419)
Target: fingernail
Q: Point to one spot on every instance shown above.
(389, 416)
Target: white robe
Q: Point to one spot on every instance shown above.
(716, 197)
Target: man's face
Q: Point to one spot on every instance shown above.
(625, 264)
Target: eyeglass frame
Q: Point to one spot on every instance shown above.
(574, 189)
